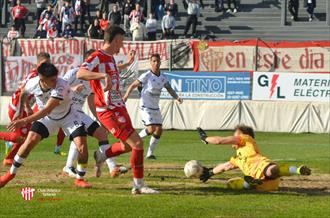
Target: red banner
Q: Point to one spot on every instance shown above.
(257, 55)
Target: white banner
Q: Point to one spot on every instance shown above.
(291, 86)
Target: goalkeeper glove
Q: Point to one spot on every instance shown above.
(202, 135)
(207, 173)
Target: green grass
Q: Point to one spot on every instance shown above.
(180, 197)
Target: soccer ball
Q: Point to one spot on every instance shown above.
(193, 169)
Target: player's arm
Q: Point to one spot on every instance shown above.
(130, 60)
(51, 104)
(86, 74)
(173, 93)
(217, 140)
(133, 86)
(209, 172)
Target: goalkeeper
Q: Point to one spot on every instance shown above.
(260, 173)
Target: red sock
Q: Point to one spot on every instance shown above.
(60, 137)
(10, 136)
(13, 151)
(115, 150)
(137, 163)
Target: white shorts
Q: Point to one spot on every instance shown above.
(151, 117)
(89, 124)
(72, 125)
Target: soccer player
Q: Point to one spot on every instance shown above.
(260, 172)
(18, 136)
(53, 96)
(78, 100)
(152, 83)
(101, 70)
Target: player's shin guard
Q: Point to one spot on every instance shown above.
(115, 150)
(73, 154)
(144, 133)
(152, 145)
(16, 164)
(238, 184)
(137, 167)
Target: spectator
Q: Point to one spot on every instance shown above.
(293, 8)
(67, 14)
(58, 7)
(168, 25)
(127, 9)
(234, 10)
(114, 16)
(151, 26)
(80, 11)
(94, 30)
(88, 11)
(48, 11)
(52, 32)
(68, 32)
(219, 5)
(104, 23)
(40, 33)
(172, 7)
(12, 33)
(98, 15)
(138, 31)
(193, 14)
(41, 6)
(136, 15)
(19, 14)
(46, 22)
(311, 4)
(159, 9)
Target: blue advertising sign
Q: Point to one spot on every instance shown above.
(211, 86)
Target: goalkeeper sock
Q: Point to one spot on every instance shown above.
(152, 144)
(17, 163)
(144, 133)
(238, 184)
(286, 170)
(73, 154)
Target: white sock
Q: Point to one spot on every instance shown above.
(18, 160)
(111, 162)
(138, 183)
(143, 133)
(293, 170)
(73, 154)
(81, 171)
(152, 145)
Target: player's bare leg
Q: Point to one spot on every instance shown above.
(156, 131)
(82, 159)
(32, 140)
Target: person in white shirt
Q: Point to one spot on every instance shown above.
(168, 25)
(138, 31)
(67, 14)
(193, 11)
(151, 26)
(92, 127)
(152, 83)
(12, 33)
(53, 96)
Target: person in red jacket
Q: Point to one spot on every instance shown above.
(19, 14)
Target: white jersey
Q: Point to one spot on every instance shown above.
(62, 91)
(152, 86)
(78, 98)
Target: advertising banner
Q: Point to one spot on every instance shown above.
(211, 86)
(291, 86)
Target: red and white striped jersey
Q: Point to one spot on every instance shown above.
(136, 16)
(101, 62)
(12, 34)
(17, 94)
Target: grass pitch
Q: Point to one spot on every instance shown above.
(56, 195)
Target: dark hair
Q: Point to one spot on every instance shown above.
(247, 130)
(88, 53)
(155, 55)
(42, 55)
(47, 70)
(111, 32)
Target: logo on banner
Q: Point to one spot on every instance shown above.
(271, 82)
(211, 59)
(27, 193)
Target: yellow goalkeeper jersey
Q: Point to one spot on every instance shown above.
(248, 158)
